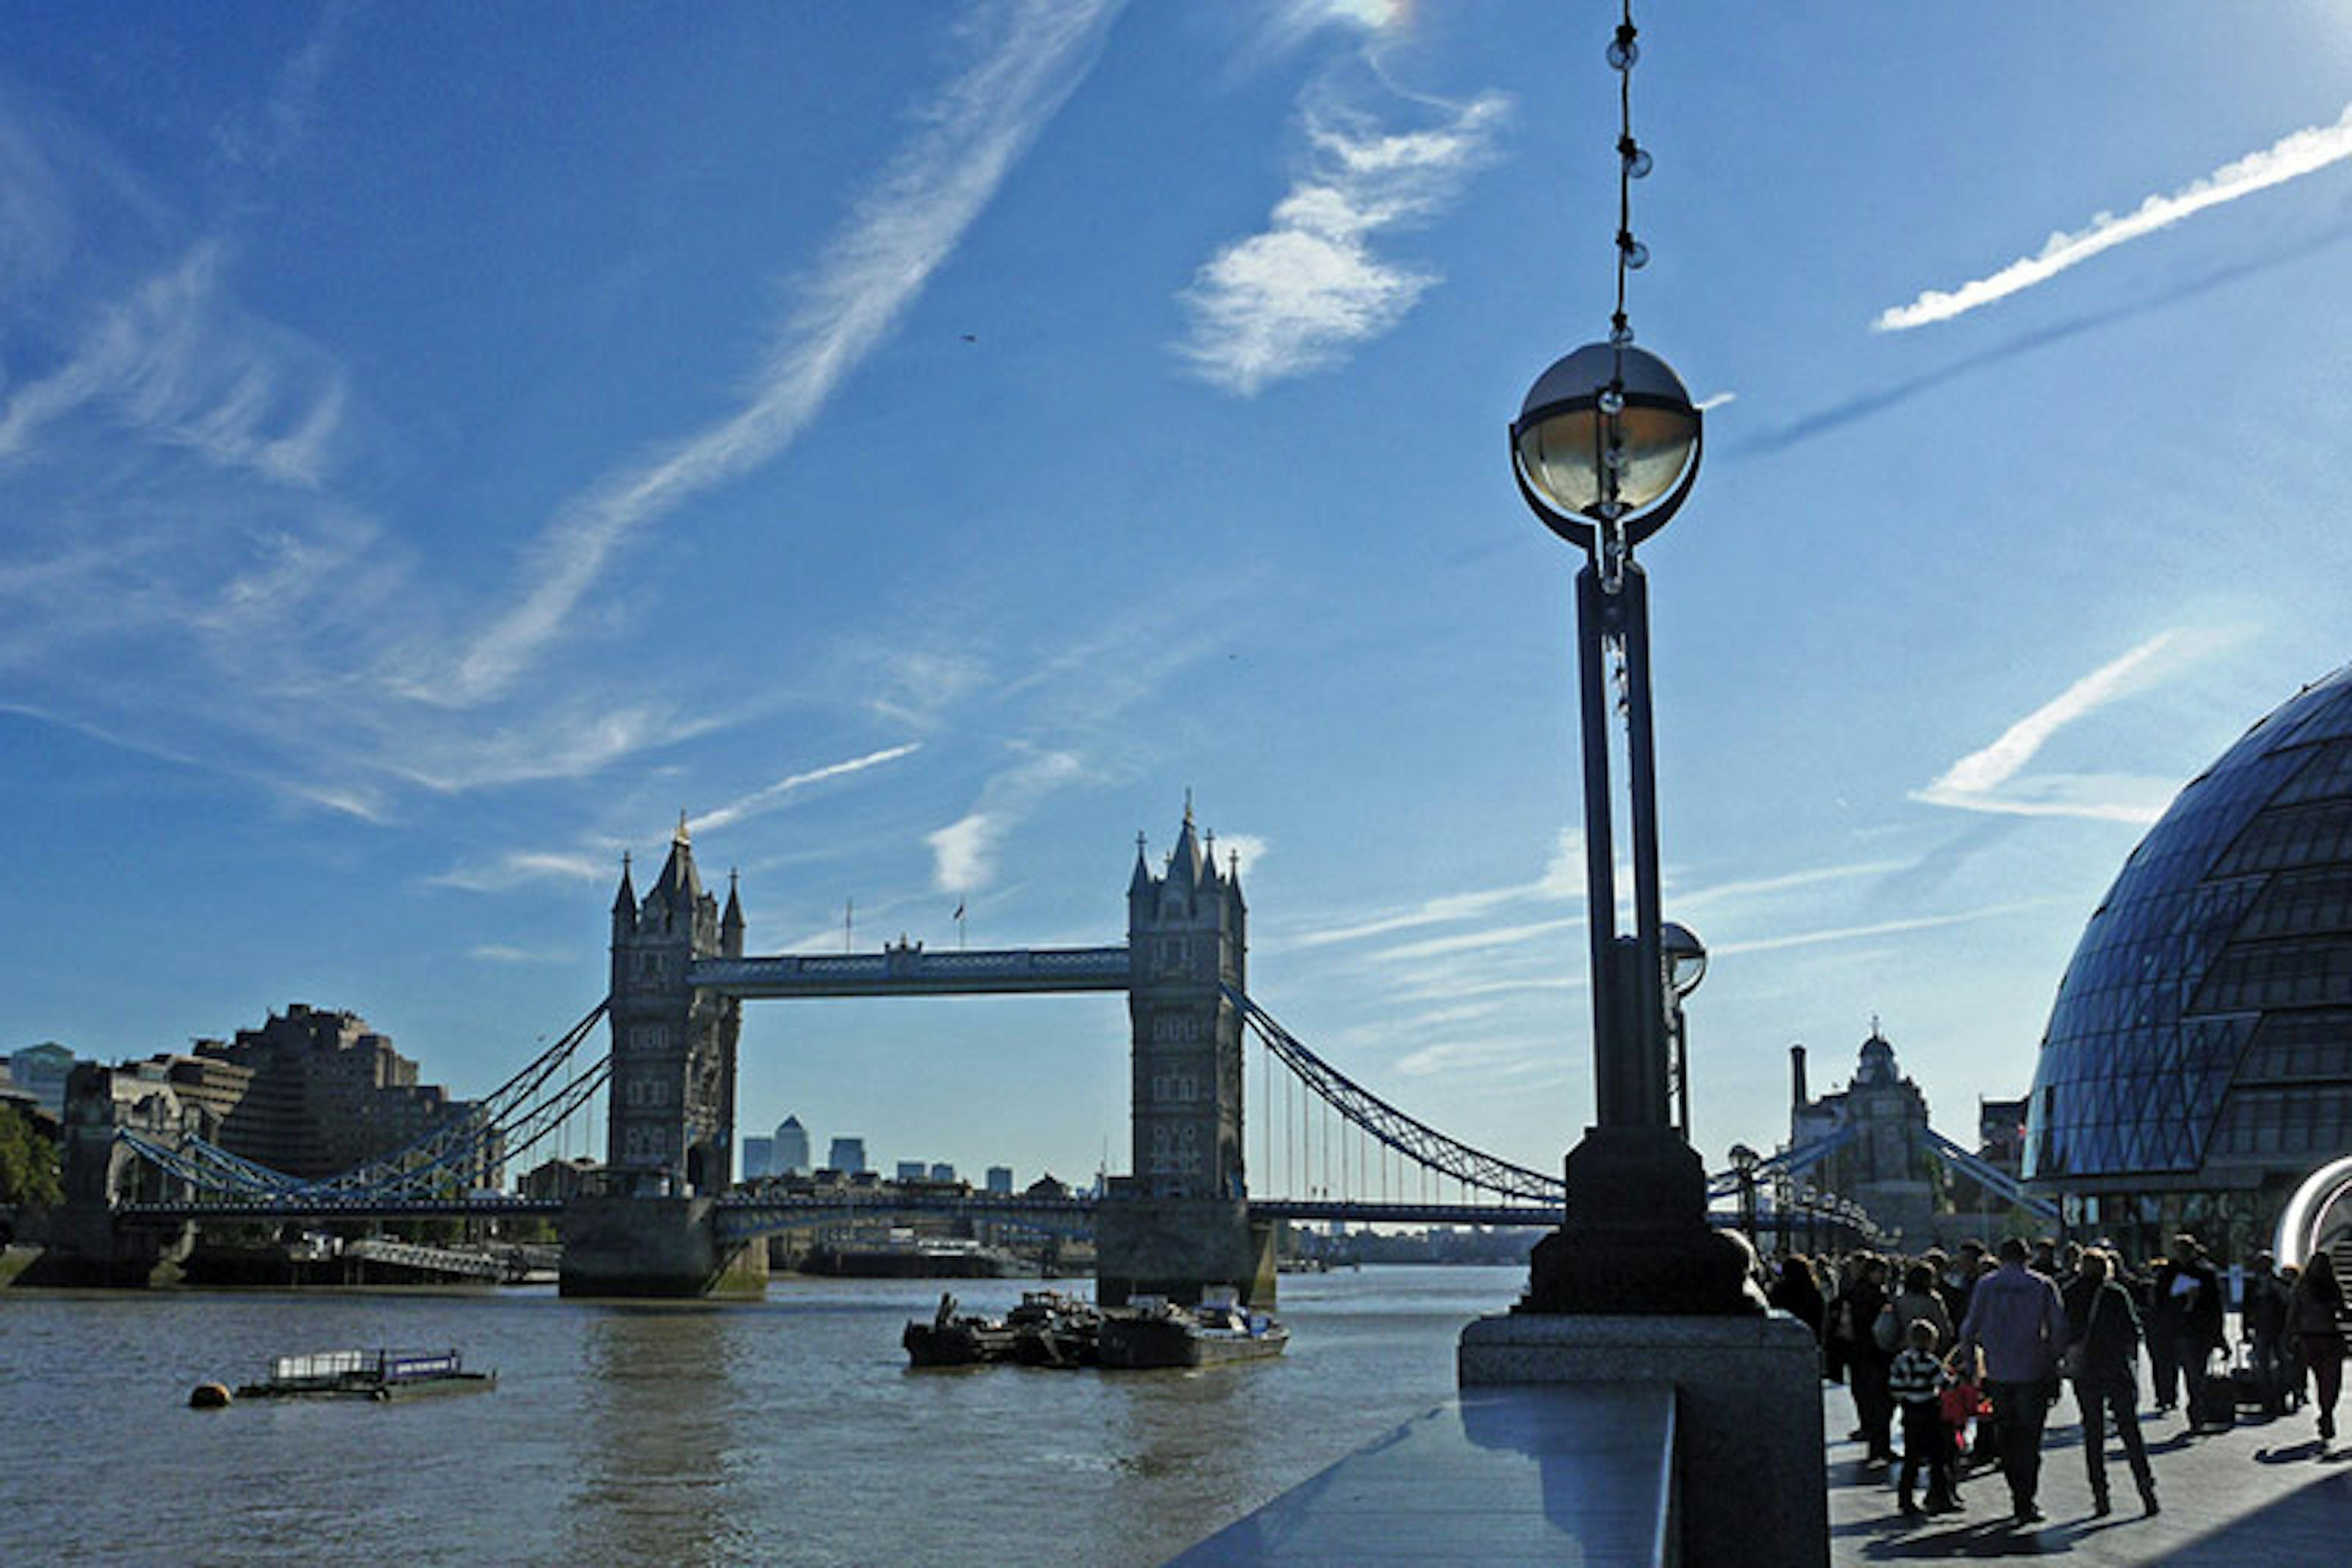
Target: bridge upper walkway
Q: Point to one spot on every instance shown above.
(913, 972)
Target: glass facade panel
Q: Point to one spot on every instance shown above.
(2207, 1013)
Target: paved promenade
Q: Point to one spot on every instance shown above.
(1508, 1476)
(2260, 1494)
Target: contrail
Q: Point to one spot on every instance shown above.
(2291, 157)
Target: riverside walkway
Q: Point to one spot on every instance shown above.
(1521, 1475)
(2261, 1493)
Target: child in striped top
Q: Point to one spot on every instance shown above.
(1917, 1379)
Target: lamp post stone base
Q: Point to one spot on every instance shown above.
(1751, 1463)
(1636, 1240)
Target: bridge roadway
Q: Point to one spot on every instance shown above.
(749, 1214)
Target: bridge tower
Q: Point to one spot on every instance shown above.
(670, 1102)
(1181, 1221)
(672, 1112)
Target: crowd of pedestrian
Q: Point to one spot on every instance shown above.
(1968, 1353)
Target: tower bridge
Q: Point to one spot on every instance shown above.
(679, 982)
(669, 1221)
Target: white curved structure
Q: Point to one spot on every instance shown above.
(2323, 1203)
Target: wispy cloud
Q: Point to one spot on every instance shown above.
(1292, 20)
(1488, 1058)
(1562, 880)
(760, 801)
(1510, 936)
(493, 952)
(1875, 928)
(963, 853)
(518, 866)
(2291, 157)
(267, 140)
(176, 361)
(914, 685)
(1986, 779)
(1301, 293)
(900, 233)
(284, 634)
(1706, 895)
(37, 223)
(1563, 877)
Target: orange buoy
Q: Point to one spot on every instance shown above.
(209, 1396)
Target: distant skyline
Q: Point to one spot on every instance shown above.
(440, 444)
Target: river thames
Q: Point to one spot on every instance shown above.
(788, 1431)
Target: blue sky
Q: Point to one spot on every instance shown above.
(438, 444)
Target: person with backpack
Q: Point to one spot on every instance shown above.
(2101, 1357)
(1918, 1298)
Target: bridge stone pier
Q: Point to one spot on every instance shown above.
(624, 1245)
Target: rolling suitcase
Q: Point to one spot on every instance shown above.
(2253, 1391)
(2215, 1408)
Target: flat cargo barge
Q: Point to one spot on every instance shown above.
(368, 1375)
(1164, 1335)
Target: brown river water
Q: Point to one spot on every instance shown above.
(788, 1431)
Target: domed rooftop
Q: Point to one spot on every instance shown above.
(2201, 1040)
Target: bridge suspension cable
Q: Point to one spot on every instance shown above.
(1433, 1153)
(1413, 1139)
(505, 1123)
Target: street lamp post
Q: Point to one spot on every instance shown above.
(1605, 451)
(1683, 959)
(1744, 1161)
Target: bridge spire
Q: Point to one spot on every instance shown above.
(731, 924)
(681, 884)
(1184, 861)
(624, 903)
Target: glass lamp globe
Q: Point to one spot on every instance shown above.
(1684, 957)
(1560, 440)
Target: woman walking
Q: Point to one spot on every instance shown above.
(1867, 1360)
(2101, 1357)
(2314, 1319)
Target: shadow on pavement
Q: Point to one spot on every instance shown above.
(2293, 1453)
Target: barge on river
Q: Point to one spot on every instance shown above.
(1047, 1329)
(368, 1375)
(1164, 1334)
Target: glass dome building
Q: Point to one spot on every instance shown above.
(2198, 1064)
